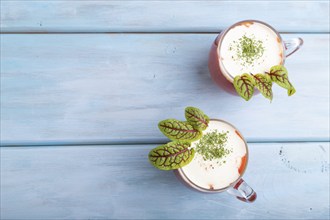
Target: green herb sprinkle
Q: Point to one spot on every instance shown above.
(212, 145)
(247, 50)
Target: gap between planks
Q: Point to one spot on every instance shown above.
(139, 142)
(140, 32)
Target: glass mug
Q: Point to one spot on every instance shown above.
(238, 188)
(217, 70)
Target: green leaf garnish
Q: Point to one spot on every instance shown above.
(264, 84)
(179, 130)
(171, 156)
(244, 85)
(197, 118)
(279, 75)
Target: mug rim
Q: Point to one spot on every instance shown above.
(184, 177)
(223, 34)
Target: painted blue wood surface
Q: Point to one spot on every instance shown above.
(116, 87)
(94, 89)
(117, 182)
(160, 16)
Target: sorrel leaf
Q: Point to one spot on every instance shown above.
(172, 155)
(279, 75)
(264, 84)
(197, 118)
(244, 85)
(179, 130)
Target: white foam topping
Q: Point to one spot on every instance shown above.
(215, 174)
(271, 56)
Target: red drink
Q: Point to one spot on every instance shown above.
(223, 173)
(227, 58)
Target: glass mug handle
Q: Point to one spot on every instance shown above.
(243, 191)
(292, 45)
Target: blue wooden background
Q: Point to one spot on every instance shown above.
(84, 84)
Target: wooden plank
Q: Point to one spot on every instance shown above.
(160, 16)
(117, 182)
(116, 87)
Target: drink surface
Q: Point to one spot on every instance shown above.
(250, 47)
(217, 174)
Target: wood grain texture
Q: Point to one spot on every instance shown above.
(117, 182)
(160, 16)
(116, 87)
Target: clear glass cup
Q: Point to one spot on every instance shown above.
(216, 68)
(238, 188)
